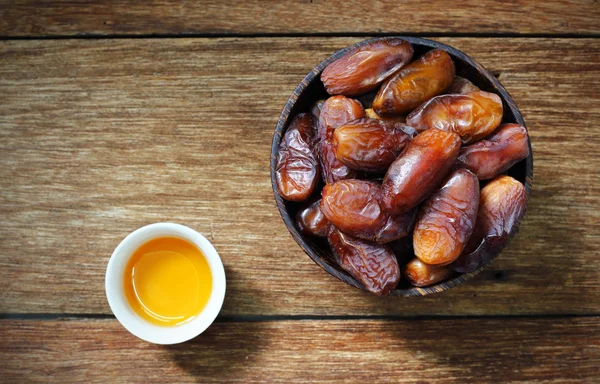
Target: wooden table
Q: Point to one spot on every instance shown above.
(113, 116)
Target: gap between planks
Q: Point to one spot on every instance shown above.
(96, 36)
(273, 318)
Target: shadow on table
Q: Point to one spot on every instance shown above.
(225, 350)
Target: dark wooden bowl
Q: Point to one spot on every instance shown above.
(311, 89)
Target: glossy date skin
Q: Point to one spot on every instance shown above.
(311, 221)
(447, 219)
(297, 168)
(336, 111)
(374, 265)
(502, 205)
(414, 84)
(472, 116)
(460, 85)
(369, 145)
(419, 170)
(420, 274)
(490, 157)
(365, 67)
(353, 206)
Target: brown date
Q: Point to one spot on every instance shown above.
(311, 220)
(316, 108)
(337, 111)
(371, 114)
(297, 168)
(447, 219)
(374, 265)
(502, 204)
(414, 84)
(353, 207)
(420, 274)
(492, 156)
(461, 85)
(396, 227)
(419, 170)
(472, 116)
(369, 145)
(365, 67)
(332, 169)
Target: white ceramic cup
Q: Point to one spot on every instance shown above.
(131, 320)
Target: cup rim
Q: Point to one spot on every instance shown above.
(129, 318)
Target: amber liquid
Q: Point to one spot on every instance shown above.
(167, 281)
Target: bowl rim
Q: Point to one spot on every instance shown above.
(282, 123)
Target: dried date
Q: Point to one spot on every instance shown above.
(332, 169)
(419, 170)
(414, 84)
(365, 67)
(472, 116)
(373, 265)
(311, 221)
(368, 144)
(337, 111)
(447, 219)
(502, 204)
(297, 168)
(421, 274)
(492, 156)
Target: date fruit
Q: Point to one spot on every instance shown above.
(316, 109)
(353, 207)
(365, 67)
(502, 204)
(472, 116)
(414, 84)
(332, 169)
(461, 85)
(419, 170)
(396, 227)
(492, 156)
(337, 111)
(311, 221)
(297, 168)
(368, 144)
(373, 265)
(420, 274)
(447, 219)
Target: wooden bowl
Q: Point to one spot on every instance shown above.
(311, 89)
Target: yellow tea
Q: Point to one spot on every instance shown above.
(168, 281)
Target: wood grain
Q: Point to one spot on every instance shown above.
(99, 137)
(74, 18)
(432, 351)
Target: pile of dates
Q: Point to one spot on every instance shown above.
(413, 159)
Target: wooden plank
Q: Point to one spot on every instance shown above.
(100, 137)
(434, 351)
(67, 18)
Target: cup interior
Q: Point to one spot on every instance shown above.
(129, 318)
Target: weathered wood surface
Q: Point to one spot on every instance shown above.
(52, 18)
(99, 137)
(433, 351)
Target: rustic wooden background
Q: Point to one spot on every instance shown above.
(114, 115)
